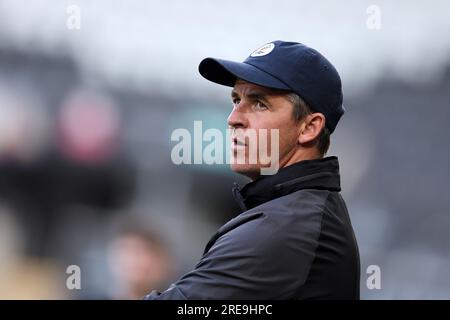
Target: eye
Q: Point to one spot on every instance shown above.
(236, 100)
(260, 105)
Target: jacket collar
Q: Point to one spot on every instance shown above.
(321, 174)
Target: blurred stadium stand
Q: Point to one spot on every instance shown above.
(85, 137)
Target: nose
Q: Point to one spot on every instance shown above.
(237, 118)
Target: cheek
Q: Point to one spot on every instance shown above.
(288, 138)
(287, 130)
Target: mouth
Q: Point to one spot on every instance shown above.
(238, 143)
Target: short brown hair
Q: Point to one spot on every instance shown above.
(301, 110)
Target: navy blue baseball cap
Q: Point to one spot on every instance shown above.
(288, 66)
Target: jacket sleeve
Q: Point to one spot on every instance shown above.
(260, 259)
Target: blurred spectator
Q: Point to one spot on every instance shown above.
(140, 261)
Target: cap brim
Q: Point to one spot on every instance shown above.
(226, 73)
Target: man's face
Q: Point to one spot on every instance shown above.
(138, 265)
(255, 108)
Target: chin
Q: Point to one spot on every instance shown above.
(250, 171)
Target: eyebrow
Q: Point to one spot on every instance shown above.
(252, 94)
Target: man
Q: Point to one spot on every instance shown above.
(139, 259)
(294, 238)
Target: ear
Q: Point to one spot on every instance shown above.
(311, 127)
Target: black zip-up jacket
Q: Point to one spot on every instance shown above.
(293, 241)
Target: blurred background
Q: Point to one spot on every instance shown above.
(90, 92)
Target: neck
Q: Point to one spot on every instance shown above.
(300, 155)
(292, 157)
